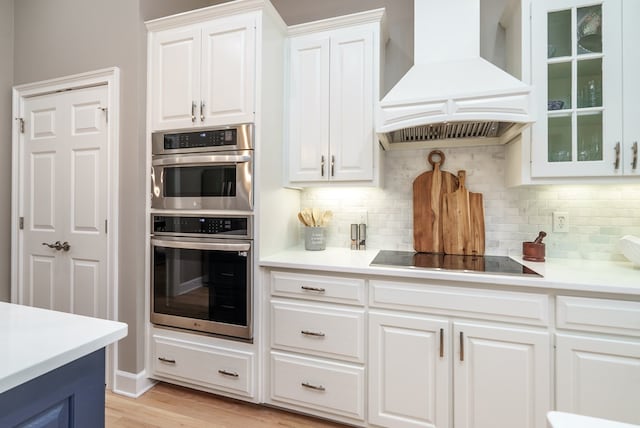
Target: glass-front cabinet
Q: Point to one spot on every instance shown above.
(577, 69)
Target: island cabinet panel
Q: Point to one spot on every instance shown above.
(70, 396)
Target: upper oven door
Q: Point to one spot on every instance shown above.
(221, 181)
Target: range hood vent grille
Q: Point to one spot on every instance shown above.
(443, 131)
(478, 133)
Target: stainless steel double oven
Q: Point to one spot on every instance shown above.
(202, 230)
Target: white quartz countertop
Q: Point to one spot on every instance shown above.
(35, 341)
(559, 274)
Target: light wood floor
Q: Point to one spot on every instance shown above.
(170, 406)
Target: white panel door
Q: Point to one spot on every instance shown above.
(228, 71)
(501, 377)
(308, 110)
(175, 78)
(64, 200)
(598, 377)
(351, 113)
(409, 360)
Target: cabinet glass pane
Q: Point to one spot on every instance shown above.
(559, 139)
(559, 86)
(559, 33)
(589, 29)
(590, 137)
(590, 83)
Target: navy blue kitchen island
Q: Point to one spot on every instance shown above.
(52, 367)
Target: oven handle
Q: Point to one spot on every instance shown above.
(201, 245)
(201, 159)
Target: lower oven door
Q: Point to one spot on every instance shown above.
(203, 285)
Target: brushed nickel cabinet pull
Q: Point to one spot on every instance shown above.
(166, 360)
(321, 166)
(616, 164)
(461, 346)
(311, 333)
(315, 289)
(202, 111)
(441, 342)
(228, 373)
(314, 387)
(333, 164)
(193, 112)
(634, 159)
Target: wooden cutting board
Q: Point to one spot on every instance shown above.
(428, 190)
(463, 221)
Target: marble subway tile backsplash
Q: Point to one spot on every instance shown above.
(598, 214)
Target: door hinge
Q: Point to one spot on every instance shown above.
(21, 124)
(21, 223)
(105, 226)
(106, 112)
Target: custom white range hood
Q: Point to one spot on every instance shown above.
(451, 94)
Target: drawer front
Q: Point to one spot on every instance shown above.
(318, 329)
(318, 287)
(328, 387)
(209, 366)
(525, 308)
(598, 315)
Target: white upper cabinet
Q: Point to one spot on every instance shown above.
(333, 85)
(204, 74)
(585, 121)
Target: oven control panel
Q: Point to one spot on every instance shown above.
(188, 140)
(201, 225)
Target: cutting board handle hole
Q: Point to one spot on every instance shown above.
(433, 154)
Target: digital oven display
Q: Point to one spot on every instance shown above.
(215, 138)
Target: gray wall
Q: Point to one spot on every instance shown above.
(53, 38)
(6, 79)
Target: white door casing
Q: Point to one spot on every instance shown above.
(65, 188)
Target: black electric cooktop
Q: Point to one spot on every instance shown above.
(500, 265)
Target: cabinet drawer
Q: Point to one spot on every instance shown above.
(318, 329)
(318, 287)
(328, 387)
(598, 315)
(526, 308)
(209, 366)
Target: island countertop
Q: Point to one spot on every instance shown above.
(35, 341)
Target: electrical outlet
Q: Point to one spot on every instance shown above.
(561, 222)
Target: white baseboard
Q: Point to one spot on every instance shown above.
(131, 384)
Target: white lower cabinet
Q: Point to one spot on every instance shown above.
(409, 370)
(318, 345)
(502, 376)
(322, 385)
(598, 358)
(195, 363)
(598, 377)
(500, 373)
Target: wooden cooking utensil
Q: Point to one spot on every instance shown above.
(428, 191)
(302, 220)
(463, 221)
